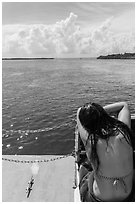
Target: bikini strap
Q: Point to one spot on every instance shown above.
(115, 180)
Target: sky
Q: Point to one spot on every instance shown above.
(67, 29)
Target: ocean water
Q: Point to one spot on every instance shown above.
(40, 99)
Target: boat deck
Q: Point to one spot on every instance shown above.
(53, 181)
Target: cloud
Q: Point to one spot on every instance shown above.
(64, 38)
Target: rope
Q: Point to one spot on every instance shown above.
(26, 132)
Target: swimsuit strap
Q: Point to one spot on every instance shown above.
(115, 180)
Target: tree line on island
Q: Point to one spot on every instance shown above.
(118, 56)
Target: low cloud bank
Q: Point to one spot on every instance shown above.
(63, 39)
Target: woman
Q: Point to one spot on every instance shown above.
(108, 146)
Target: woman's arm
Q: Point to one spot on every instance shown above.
(123, 112)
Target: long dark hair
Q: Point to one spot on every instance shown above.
(99, 124)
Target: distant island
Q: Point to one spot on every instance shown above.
(28, 58)
(118, 56)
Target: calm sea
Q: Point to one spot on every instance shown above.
(40, 99)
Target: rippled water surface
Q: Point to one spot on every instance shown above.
(41, 97)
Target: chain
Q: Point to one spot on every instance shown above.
(39, 161)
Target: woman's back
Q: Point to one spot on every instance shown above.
(115, 151)
(115, 174)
